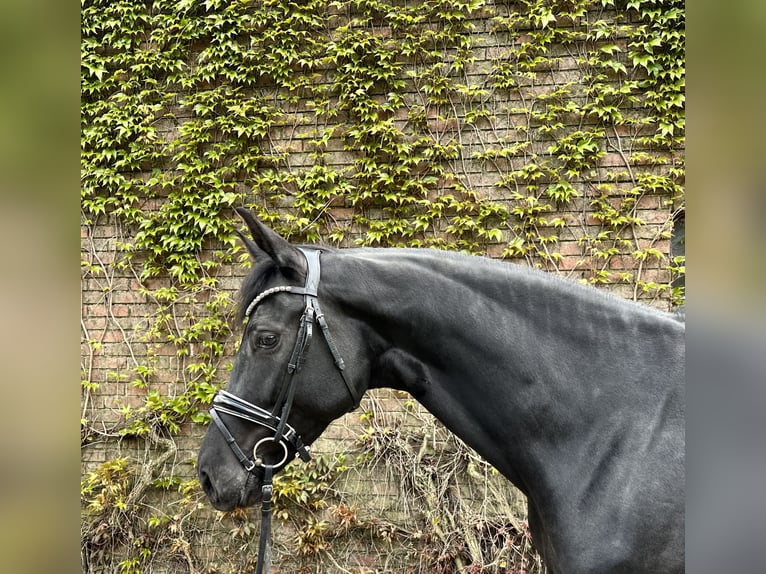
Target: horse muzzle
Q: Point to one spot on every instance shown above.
(235, 481)
(226, 490)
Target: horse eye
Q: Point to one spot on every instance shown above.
(267, 341)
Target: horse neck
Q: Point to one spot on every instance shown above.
(515, 358)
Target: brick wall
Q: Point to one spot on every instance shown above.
(118, 308)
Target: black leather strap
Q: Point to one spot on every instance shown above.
(244, 460)
(356, 397)
(264, 548)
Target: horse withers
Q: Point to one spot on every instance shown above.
(576, 396)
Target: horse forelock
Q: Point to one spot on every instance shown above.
(259, 277)
(254, 284)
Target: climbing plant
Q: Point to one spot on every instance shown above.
(548, 132)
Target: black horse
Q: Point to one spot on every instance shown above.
(574, 395)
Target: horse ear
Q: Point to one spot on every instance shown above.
(269, 243)
(255, 252)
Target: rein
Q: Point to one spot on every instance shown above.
(276, 420)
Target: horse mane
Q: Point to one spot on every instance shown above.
(587, 292)
(504, 271)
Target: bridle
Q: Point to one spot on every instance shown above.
(276, 420)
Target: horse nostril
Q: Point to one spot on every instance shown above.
(204, 480)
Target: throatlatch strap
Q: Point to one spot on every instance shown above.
(339, 363)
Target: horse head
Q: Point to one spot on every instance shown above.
(294, 373)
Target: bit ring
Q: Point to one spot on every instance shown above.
(259, 461)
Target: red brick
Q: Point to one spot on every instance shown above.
(495, 250)
(120, 310)
(342, 213)
(653, 217)
(570, 248)
(659, 276)
(113, 336)
(621, 262)
(95, 311)
(612, 160)
(572, 262)
(648, 202)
